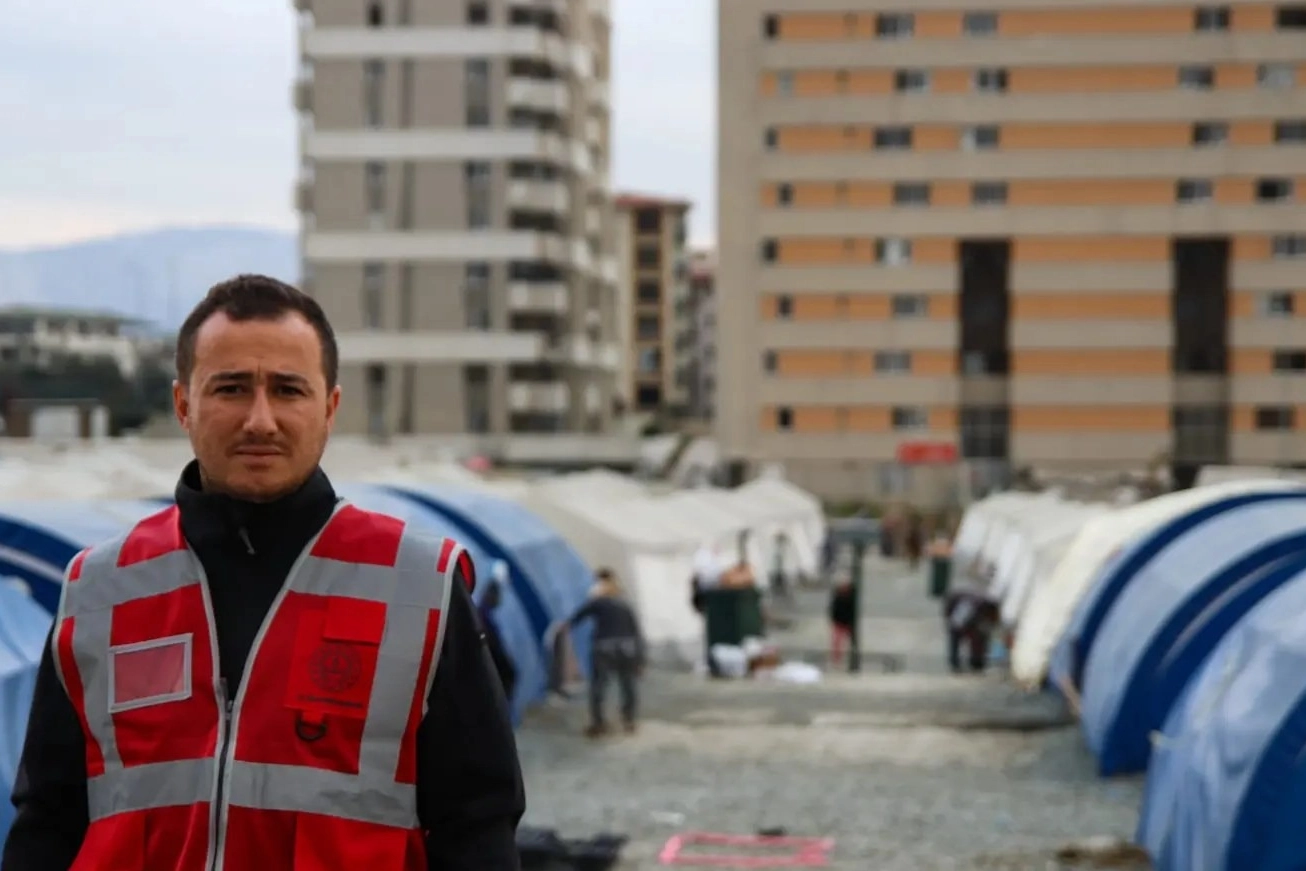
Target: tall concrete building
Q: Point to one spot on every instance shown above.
(1066, 234)
(701, 360)
(653, 285)
(455, 216)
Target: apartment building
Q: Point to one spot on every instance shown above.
(653, 284)
(455, 214)
(1066, 235)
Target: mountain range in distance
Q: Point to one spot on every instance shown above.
(156, 275)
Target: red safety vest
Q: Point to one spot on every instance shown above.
(312, 766)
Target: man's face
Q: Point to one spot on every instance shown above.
(257, 406)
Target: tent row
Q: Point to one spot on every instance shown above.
(550, 536)
(1174, 629)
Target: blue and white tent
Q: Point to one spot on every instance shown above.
(1174, 595)
(1226, 787)
(24, 626)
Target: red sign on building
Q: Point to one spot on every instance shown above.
(926, 453)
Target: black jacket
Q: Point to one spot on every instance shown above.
(470, 794)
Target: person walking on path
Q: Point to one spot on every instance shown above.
(617, 651)
(263, 675)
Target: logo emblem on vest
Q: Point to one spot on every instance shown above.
(335, 667)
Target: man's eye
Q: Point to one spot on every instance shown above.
(228, 388)
(288, 390)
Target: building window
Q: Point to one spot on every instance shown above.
(771, 26)
(892, 138)
(1273, 190)
(1272, 417)
(647, 327)
(478, 12)
(1276, 76)
(911, 193)
(909, 418)
(991, 80)
(784, 418)
(984, 432)
(373, 287)
(771, 139)
(1288, 246)
(911, 81)
(1290, 361)
(374, 181)
(769, 361)
(979, 23)
(895, 25)
(1290, 132)
(784, 84)
(1278, 304)
(1200, 78)
(988, 193)
(648, 221)
(784, 194)
(910, 305)
(1211, 18)
(477, 177)
(476, 295)
(980, 137)
(1193, 190)
(784, 306)
(1207, 133)
(375, 14)
(648, 292)
(770, 250)
(376, 401)
(477, 92)
(841, 80)
(1292, 17)
(373, 93)
(892, 252)
(892, 362)
(648, 257)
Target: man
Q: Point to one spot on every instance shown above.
(493, 639)
(617, 650)
(970, 617)
(264, 676)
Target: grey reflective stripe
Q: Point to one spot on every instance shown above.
(142, 787)
(115, 586)
(361, 797)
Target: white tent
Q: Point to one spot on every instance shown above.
(1052, 603)
(983, 528)
(1039, 546)
(645, 543)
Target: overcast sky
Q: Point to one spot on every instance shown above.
(133, 114)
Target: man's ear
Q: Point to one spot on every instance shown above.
(181, 404)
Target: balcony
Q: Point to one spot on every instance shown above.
(598, 93)
(546, 398)
(537, 296)
(461, 346)
(541, 96)
(539, 196)
(301, 94)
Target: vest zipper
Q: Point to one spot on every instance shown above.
(230, 725)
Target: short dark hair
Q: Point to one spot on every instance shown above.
(256, 297)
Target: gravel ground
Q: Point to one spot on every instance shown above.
(917, 769)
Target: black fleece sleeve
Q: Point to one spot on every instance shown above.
(470, 793)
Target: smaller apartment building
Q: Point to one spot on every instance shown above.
(655, 318)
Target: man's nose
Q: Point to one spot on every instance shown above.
(260, 418)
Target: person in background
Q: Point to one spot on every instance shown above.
(779, 580)
(971, 617)
(617, 650)
(842, 615)
(493, 639)
(915, 541)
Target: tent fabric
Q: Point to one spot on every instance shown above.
(510, 617)
(1169, 538)
(1053, 603)
(1226, 787)
(24, 625)
(1200, 574)
(651, 552)
(1042, 548)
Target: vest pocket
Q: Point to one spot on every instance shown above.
(324, 843)
(333, 665)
